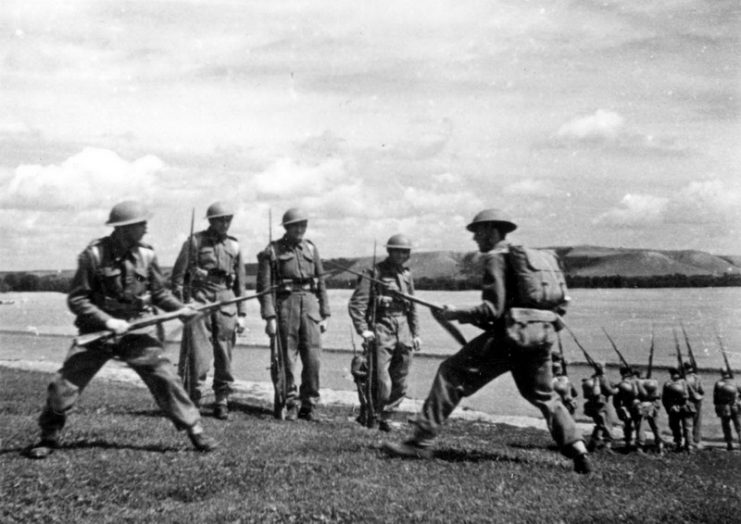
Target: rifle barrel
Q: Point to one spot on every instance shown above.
(690, 353)
(614, 346)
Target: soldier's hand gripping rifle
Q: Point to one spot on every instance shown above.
(725, 356)
(690, 353)
(614, 346)
(435, 309)
(277, 353)
(89, 338)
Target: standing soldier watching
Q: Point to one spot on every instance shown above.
(210, 264)
(396, 331)
(727, 400)
(299, 315)
(117, 282)
(679, 408)
(494, 352)
(597, 393)
(697, 393)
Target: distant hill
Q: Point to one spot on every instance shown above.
(585, 264)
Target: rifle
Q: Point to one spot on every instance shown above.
(590, 360)
(679, 353)
(435, 309)
(189, 261)
(563, 356)
(88, 338)
(614, 346)
(650, 355)
(277, 355)
(725, 356)
(371, 388)
(689, 348)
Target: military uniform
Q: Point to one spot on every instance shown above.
(680, 410)
(566, 391)
(697, 393)
(300, 305)
(626, 402)
(216, 273)
(491, 354)
(727, 400)
(649, 397)
(395, 329)
(597, 393)
(115, 282)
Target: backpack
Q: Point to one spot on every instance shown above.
(539, 279)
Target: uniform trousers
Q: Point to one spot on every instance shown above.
(301, 337)
(648, 412)
(144, 354)
(208, 338)
(394, 348)
(480, 361)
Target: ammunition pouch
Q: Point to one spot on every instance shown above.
(725, 410)
(531, 328)
(214, 276)
(392, 306)
(126, 307)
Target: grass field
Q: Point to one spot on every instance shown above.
(122, 462)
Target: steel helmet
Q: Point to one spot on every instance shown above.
(399, 241)
(128, 212)
(294, 215)
(219, 209)
(492, 215)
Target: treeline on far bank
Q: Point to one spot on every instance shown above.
(22, 281)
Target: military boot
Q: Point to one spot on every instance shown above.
(200, 440)
(45, 446)
(582, 465)
(221, 411)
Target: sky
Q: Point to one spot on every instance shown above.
(612, 123)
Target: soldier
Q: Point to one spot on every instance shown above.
(490, 354)
(727, 400)
(625, 402)
(563, 386)
(210, 265)
(697, 392)
(396, 331)
(301, 312)
(117, 282)
(679, 408)
(648, 410)
(597, 392)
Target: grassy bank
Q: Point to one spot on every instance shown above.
(123, 462)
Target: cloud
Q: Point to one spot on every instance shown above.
(531, 188)
(285, 178)
(92, 178)
(608, 129)
(705, 203)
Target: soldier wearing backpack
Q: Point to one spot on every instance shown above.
(626, 403)
(519, 317)
(679, 408)
(597, 393)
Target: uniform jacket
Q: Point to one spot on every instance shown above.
(495, 282)
(386, 302)
(298, 265)
(697, 392)
(216, 265)
(114, 282)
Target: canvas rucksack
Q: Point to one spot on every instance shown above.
(539, 278)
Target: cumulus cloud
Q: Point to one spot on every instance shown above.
(92, 178)
(286, 177)
(635, 211)
(605, 128)
(530, 188)
(709, 203)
